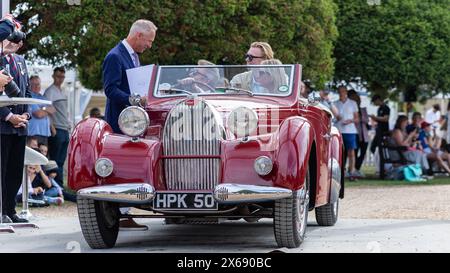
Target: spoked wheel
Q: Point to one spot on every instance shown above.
(291, 217)
(99, 222)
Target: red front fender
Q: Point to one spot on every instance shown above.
(134, 162)
(292, 157)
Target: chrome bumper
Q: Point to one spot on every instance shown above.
(239, 193)
(135, 193)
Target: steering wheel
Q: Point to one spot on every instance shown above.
(209, 87)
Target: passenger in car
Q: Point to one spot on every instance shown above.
(202, 79)
(273, 80)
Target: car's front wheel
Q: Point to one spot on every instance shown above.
(291, 217)
(327, 215)
(99, 222)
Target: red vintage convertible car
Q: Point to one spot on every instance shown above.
(213, 143)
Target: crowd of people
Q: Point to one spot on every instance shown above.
(424, 139)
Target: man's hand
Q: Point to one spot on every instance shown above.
(4, 80)
(186, 81)
(10, 47)
(143, 100)
(18, 121)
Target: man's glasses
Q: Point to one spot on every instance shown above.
(250, 57)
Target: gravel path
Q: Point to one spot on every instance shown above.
(394, 202)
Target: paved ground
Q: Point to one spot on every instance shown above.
(349, 235)
(390, 219)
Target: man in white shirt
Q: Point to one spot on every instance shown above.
(346, 118)
(433, 116)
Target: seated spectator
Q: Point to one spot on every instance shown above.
(38, 184)
(51, 170)
(399, 137)
(415, 122)
(428, 145)
(43, 149)
(32, 142)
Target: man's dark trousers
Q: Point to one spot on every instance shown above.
(57, 151)
(12, 157)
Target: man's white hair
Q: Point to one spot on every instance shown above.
(142, 26)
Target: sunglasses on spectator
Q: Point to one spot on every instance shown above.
(250, 57)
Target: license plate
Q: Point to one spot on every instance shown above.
(184, 201)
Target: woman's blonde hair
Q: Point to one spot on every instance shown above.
(278, 74)
(266, 49)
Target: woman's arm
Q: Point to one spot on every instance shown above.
(44, 177)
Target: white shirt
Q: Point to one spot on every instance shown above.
(432, 117)
(130, 51)
(346, 109)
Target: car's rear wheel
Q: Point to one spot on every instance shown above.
(291, 217)
(99, 222)
(327, 215)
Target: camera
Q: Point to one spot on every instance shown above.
(11, 89)
(16, 37)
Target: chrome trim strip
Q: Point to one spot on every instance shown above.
(239, 193)
(136, 193)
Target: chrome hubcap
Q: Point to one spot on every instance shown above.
(302, 209)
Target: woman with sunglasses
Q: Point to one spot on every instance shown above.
(270, 78)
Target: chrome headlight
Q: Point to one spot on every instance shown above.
(104, 167)
(263, 165)
(242, 121)
(133, 121)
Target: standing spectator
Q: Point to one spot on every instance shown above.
(347, 117)
(363, 133)
(59, 140)
(115, 83)
(382, 119)
(447, 123)
(39, 125)
(13, 122)
(433, 116)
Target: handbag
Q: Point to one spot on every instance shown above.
(413, 173)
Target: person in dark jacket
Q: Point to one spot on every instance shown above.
(13, 126)
(7, 26)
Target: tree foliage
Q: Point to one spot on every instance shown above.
(398, 44)
(220, 31)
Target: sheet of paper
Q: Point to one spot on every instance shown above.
(139, 79)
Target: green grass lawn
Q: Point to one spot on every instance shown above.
(375, 181)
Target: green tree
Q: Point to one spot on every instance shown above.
(220, 31)
(397, 45)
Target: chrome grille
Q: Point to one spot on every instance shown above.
(191, 129)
